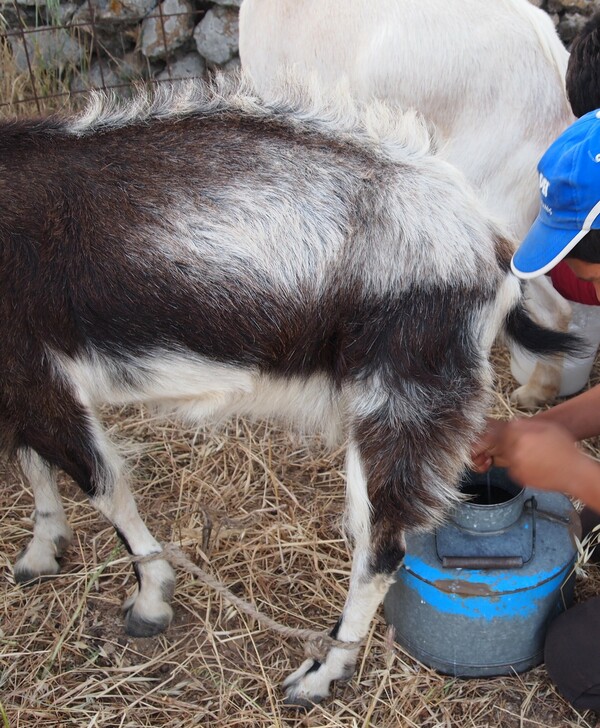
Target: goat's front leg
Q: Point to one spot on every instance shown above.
(51, 532)
(370, 579)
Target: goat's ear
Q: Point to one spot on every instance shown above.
(504, 251)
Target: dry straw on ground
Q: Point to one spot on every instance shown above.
(262, 511)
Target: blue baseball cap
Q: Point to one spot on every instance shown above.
(570, 198)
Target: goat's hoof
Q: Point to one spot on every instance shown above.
(25, 577)
(310, 683)
(28, 571)
(307, 686)
(297, 701)
(527, 397)
(348, 673)
(137, 625)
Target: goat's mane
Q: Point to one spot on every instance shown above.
(374, 125)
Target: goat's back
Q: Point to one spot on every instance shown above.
(249, 234)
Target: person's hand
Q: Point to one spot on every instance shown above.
(488, 441)
(539, 454)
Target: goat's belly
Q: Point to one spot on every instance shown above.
(310, 403)
(198, 390)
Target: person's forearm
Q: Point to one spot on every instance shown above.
(579, 415)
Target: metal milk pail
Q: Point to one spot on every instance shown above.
(476, 596)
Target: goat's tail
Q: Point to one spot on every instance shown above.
(522, 330)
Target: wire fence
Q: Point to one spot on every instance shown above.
(47, 62)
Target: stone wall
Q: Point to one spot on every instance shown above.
(568, 15)
(111, 43)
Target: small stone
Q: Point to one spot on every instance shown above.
(178, 22)
(47, 48)
(99, 75)
(216, 35)
(112, 74)
(190, 66)
(234, 64)
(111, 10)
(231, 3)
(570, 24)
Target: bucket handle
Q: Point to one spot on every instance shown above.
(492, 562)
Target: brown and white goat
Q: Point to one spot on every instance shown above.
(215, 255)
(489, 74)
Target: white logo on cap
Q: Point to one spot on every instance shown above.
(544, 185)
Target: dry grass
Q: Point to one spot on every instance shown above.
(275, 505)
(19, 89)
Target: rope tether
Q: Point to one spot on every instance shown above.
(317, 643)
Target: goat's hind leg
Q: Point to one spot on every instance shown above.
(51, 532)
(401, 475)
(148, 611)
(72, 439)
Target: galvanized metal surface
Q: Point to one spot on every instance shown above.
(478, 517)
(478, 622)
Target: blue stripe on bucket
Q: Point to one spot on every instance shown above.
(521, 602)
(496, 580)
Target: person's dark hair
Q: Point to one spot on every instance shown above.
(588, 248)
(583, 71)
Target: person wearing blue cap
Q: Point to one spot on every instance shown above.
(567, 227)
(569, 174)
(541, 451)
